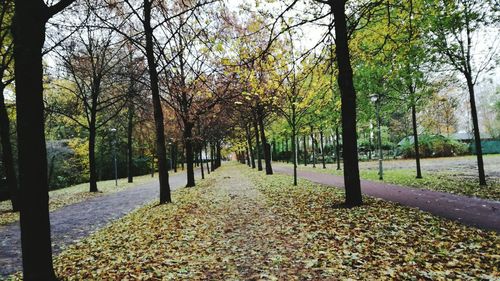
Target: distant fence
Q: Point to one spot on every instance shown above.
(488, 146)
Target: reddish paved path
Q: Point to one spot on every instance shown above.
(471, 211)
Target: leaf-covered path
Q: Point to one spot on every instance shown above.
(240, 224)
(224, 229)
(254, 239)
(473, 211)
(76, 221)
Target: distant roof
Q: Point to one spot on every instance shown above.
(410, 139)
(405, 139)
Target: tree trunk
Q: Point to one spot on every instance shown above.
(241, 157)
(183, 158)
(294, 145)
(257, 143)
(206, 158)
(337, 147)
(218, 157)
(348, 107)
(174, 156)
(297, 144)
(274, 151)
(415, 140)
(379, 139)
(477, 136)
(92, 163)
(158, 113)
(201, 163)
(286, 149)
(29, 36)
(7, 157)
(370, 142)
(218, 162)
(153, 164)
(323, 160)
(247, 156)
(265, 145)
(212, 159)
(130, 128)
(250, 146)
(188, 144)
(313, 148)
(304, 145)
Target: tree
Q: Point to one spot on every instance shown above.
(345, 83)
(413, 59)
(296, 102)
(134, 87)
(348, 108)
(438, 116)
(259, 84)
(161, 151)
(453, 28)
(93, 64)
(7, 77)
(345, 80)
(391, 60)
(29, 36)
(192, 77)
(411, 84)
(140, 19)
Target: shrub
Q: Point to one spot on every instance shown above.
(433, 146)
(67, 163)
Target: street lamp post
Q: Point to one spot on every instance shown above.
(113, 131)
(376, 100)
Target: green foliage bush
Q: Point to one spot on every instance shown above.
(284, 156)
(67, 163)
(365, 145)
(433, 146)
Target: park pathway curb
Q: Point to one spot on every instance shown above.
(472, 211)
(74, 222)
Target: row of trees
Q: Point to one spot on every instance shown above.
(192, 76)
(399, 53)
(125, 64)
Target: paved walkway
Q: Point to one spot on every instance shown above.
(73, 222)
(471, 211)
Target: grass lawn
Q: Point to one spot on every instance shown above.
(66, 196)
(444, 181)
(239, 224)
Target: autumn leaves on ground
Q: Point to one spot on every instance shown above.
(239, 224)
